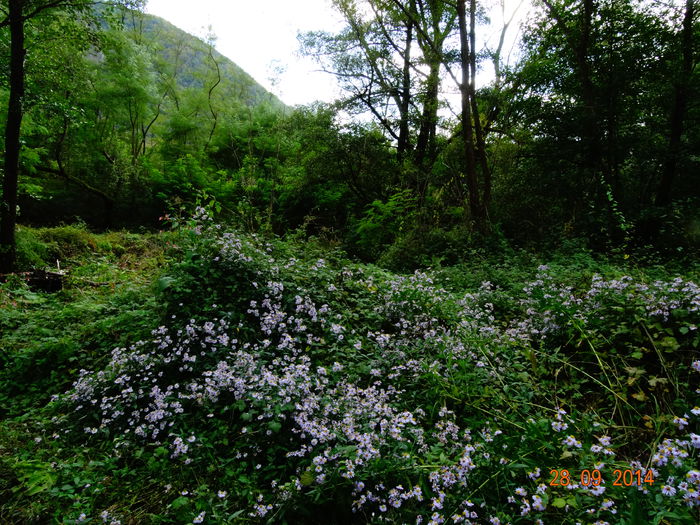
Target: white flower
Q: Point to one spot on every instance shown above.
(695, 440)
(682, 422)
(668, 490)
(571, 441)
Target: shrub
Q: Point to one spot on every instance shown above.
(313, 385)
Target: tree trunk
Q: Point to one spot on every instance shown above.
(404, 141)
(478, 130)
(678, 113)
(593, 159)
(425, 144)
(8, 207)
(466, 117)
(579, 42)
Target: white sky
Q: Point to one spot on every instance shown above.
(260, 36)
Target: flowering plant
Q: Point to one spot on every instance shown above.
(293, 384)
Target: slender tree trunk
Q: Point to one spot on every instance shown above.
(430, 39)
(678, 113)
(466, 117)
(478, 130)
(8, 207)
(579, 42)
(425, 144)
(403, 144)
(214, 115)
(593, 157)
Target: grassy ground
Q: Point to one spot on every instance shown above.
(46, 338)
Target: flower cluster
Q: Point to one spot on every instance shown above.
(388, 405)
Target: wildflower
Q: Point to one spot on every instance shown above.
(521, 491)
(571, 441)
(200, 517)
(559, 426)
(221, 494)
(668, 490)
(525, 508)
(597, 491)
(694, 440)
(436, 519)
(682, 422)
(537, 502)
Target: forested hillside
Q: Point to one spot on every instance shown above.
(445, 297)
(113, 109)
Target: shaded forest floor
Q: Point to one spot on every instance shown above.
(217, 377)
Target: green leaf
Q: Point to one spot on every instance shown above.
(559, 503)
(179, 502)
(307, 478)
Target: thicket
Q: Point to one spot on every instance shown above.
(275, 365)
(146, 121)
(283, 383)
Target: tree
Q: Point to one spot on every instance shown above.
(465, 87)
(376, 61)
(681, 86)
(8, 208)
(372, 59)
(17, 14)
(592, 90)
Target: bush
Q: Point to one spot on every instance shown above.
(32, 252)
(315, 385)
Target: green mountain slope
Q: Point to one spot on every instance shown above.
(191, 61)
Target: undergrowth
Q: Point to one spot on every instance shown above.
(270, 382)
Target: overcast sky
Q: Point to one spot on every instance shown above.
(261, 37)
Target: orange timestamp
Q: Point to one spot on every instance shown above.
(588, 478)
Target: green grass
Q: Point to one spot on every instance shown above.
(107, 300)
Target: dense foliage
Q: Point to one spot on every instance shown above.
(590, 135)
(428, 302)
(284, 384)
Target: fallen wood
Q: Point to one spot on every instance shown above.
(43, 280)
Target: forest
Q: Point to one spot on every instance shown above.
(465, 291)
